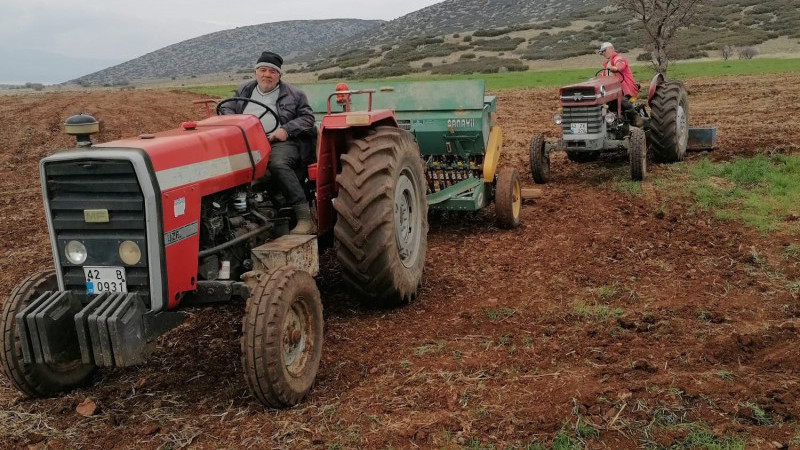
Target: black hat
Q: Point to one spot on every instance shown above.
(270, 59)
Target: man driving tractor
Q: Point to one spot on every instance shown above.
(618, 65)
(292, 141)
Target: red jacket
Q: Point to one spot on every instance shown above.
(624, 74)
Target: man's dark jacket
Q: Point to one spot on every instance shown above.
(294, 115)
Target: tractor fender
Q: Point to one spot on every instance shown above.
(492, 156)
(657, 79)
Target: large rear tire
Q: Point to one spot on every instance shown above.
(282, 337)
(35, 380)
(382, 224)
(637, 154)
(508, 198)
(668, 135)
(539, 159)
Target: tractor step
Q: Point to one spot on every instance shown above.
(294, 250)
(112, 330)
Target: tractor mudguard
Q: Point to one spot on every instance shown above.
(657, 79)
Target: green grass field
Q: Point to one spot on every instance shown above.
(762, 192)
(553, 78)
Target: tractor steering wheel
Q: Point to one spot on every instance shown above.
(607, 72)
(267, 109)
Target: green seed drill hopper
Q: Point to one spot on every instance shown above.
(455, 125)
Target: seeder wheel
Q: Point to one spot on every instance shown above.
(508, 198)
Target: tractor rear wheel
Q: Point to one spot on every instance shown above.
(668, 135)
(382, 225)
(582, 156)
(540, 159)
(508, 198)
(35, 380)
(637, 154)
(282, 337)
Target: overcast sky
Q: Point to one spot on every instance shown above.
(51, 41)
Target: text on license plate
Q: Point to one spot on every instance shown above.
(578, 128)
(105, 279)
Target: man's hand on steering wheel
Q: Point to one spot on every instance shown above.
(279, 135)
(267, 109)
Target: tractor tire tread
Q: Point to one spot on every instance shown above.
(662, 135)
(364, 230)
(262, 358)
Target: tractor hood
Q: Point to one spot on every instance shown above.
(597, 91)
(214, 148)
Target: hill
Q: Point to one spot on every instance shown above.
(458, 36)
(452, 16)
(229, 50)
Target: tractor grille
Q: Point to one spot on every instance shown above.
(592, 116)
(76, 186)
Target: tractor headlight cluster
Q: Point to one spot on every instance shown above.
(75, 252)
(130, 253)
(610, 118)
(557, 119)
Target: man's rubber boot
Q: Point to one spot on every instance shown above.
(304, 223)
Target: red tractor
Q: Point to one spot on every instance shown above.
(141, 228)
(593, 122)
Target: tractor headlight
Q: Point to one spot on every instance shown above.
(557, 119)
(130, 253)
(75, 252)
(610, 118)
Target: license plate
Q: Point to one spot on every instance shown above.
(578, 128)
(105, 279)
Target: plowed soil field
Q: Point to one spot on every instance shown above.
(603, 317)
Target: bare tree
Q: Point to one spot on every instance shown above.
(727, 51)
(747, 52)
(661, 19)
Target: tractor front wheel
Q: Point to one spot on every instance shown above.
(540, 159)
(668, 134)
(508, 198)
(637, 154)
(282, 337)
(382, 225)
(35, 380)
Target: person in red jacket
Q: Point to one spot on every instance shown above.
(618, 65)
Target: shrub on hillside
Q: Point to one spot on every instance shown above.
(489, 64)
(504, 43)
(747, 52)
(346, 73)
(383, 72)
(491, 32)
(352, 62)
